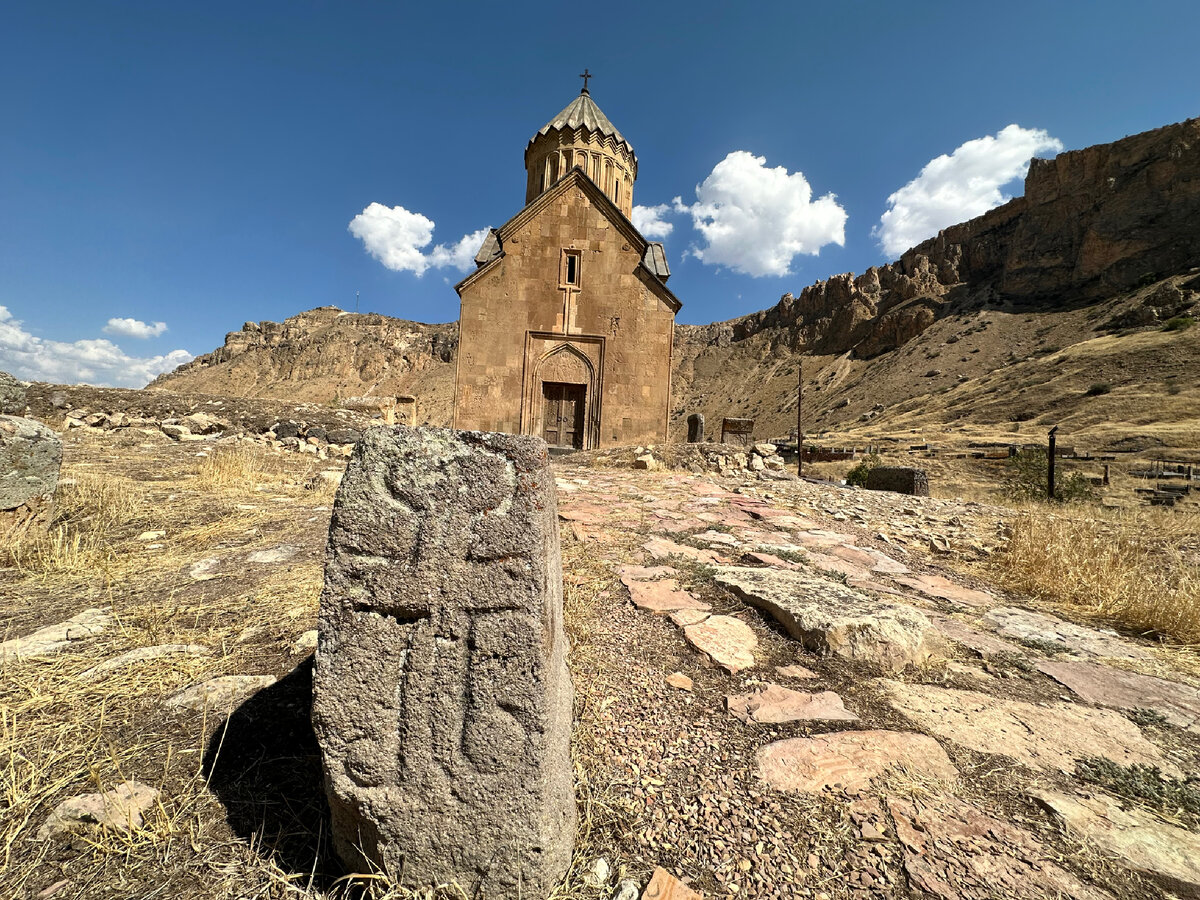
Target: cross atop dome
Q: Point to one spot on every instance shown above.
(585, 76)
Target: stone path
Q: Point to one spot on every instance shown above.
(868, 591)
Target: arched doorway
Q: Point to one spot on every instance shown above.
(564, 393)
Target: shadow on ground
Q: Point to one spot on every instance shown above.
(264, 765)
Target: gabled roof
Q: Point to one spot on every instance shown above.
(575, 178)
(582, 112)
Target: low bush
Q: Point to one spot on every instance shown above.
(1028, 478)
(858, 475)
(1178, 323)
(1100, 387)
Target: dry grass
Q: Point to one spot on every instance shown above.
(91, 510)
(1138, 570)
(244, 466)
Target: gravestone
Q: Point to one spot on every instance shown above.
(442, 699)
(30, 458)
(695, 428)
(900, 479)
(737, 431)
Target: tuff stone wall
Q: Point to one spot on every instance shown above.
(514, 313)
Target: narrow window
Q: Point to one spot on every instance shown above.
(570, 268)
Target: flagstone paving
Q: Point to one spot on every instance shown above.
(860, 558)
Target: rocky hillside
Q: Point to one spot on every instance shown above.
(1010, 317)
(323, 355)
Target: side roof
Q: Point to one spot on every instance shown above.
(494, 242)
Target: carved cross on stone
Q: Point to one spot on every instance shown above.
(442, 700)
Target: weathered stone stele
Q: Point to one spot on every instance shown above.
(442, 700)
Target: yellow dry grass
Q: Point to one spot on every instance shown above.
(1136, 569)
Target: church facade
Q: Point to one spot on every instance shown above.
(566, 325)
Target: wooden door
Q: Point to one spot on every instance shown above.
(562, 414)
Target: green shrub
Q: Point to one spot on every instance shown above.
(858, 475)
(1178, 323)
(1027, 479)
(1100, 387)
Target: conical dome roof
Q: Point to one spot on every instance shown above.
(582, 112)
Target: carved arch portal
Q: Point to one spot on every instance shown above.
(575, 364)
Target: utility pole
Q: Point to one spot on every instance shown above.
(356, 301)
(1050, 464)
(800, 419)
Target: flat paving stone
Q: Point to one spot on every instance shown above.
(665, 886)
(869, 559)
(795, 672)
(955, 851)
(1050, 736)
(142, 654)
(220, 694)
(1165, 854)
(122, 809)
(645, 573)
(1054, 633)
(662, 596)
(55, 638)
(663, 548)
(729, 642)
(279, 554)
(774, 704)
(943, 588)
(1096, 683)
(850, 760)
(829, 617)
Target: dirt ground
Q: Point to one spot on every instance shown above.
(219, 546)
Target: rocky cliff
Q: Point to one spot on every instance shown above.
(1092, 223)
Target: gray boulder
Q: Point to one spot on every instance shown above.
(829, 617)
(442, 699)
(30, 459)
(12, 395)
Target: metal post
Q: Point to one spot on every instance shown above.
(1050, 464)
(800, 419)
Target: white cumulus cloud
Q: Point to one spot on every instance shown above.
(959, 186)
(755, 220)
(396, 237)
(98, 361)
(134, 328)
(650, 222)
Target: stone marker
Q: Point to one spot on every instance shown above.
(30, 457)
(442, 699)
(695, 424)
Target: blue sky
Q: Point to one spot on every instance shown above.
(171, 170)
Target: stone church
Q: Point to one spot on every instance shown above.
(566, 324)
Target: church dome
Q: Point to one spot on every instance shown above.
(581, 136)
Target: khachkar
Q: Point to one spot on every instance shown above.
(442, 700)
